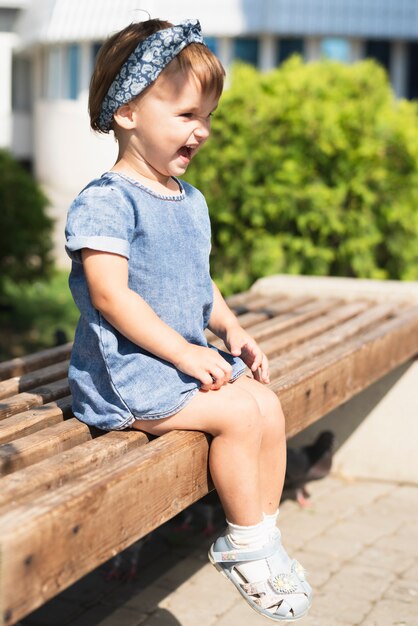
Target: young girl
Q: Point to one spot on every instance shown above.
(139, 239)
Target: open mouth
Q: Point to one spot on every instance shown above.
(186, 152)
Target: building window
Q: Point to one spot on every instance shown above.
(336, 48)
(288, 47)
(380, 51)
(212, 44)
(53, 73)
(246, 49)
(73, 65)
(412, 85)
(21, 85)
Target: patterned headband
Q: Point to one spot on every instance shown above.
(145, 64)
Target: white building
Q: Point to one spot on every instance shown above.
(47, 51)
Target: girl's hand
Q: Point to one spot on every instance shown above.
(206, 365)
(241, 344)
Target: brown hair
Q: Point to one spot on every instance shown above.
(117, 48)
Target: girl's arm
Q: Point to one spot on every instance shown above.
(107, 278)
(225, 325)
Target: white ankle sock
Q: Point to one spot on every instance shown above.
(247, 536)
(270, 523)
(252, 538)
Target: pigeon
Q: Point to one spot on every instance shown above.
(307, 463)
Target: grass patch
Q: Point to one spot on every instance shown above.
(36, 316)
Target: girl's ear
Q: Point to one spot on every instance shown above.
(125, 116)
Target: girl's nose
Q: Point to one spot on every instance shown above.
(202, 130)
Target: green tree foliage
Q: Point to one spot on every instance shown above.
(25, 229)
(311, 169)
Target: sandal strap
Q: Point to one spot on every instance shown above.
(235, 556)
(273, 591)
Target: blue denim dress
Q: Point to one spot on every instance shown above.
(166, 240)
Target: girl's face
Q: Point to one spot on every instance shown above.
(172, 122)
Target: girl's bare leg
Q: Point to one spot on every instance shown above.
(232, 416)
(273, 443)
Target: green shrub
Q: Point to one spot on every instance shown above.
(25, 229)
(311, 169)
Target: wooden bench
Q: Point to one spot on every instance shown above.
(71, 497)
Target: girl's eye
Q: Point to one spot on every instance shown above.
(188, 115)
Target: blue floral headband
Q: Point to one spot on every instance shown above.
(145, 64)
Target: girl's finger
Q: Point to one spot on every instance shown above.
(265, 370)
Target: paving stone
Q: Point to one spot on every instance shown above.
(335, 548)
(381, 524)
(136, 597)
(409, 530)
(352, 531)
(398, 543)
(379, 555)
(404, 589)
(180, 572)
(57, 611)
(386, 613)
(303, 525)
(161, 617)
(312, 620)
(202, 599)
(341, 606)
(411, 571)
(360, 581)
(101, 615)
(351, 497)
(241, 614)
(318, 566)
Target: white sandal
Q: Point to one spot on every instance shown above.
(284, 596)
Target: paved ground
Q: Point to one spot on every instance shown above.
(358, 540)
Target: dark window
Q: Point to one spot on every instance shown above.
(287, 47)
(73, 71)
(21, 84)
(412, 85)
(379, 50)
(246, 49)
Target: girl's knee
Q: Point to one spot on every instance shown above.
(247, 420)
(274, 420)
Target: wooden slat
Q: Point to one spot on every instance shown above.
(62, 468)
(267, 311)
(38, 397)
(22, 365)
(296, 335)
(31, 421)
(40, 445)
(18, 384)
(61, 536)
(320, 385)
(329, 339)
(284, 323)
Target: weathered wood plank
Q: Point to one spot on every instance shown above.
(330, 318)
(31, 421)
(284, 323)
(320, 385)
(49, 544)
(18, 384)
(24, 401)
(62, 468)
(329, 339)
(33, 448)
(22, 365)
(269, 310)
